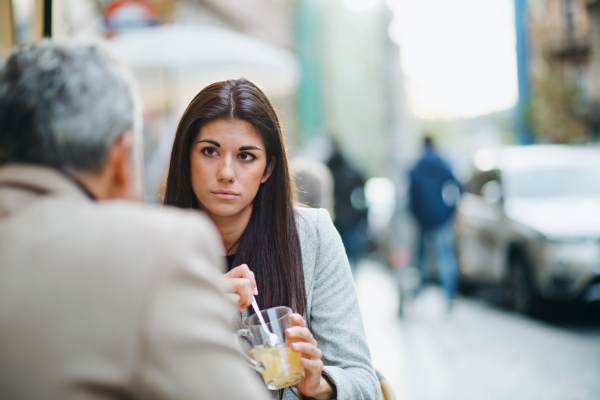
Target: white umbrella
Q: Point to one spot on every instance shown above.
(205, 54)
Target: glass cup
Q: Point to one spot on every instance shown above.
(279, 365)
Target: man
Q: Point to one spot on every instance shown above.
(349, 205)
(433, 194)
(99, 299)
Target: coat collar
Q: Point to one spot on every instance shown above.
(42, 180)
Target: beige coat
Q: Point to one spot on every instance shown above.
(110, 300)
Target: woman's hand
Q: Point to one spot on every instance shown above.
(313, 385)
(240, 286)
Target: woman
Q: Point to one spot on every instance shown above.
(229, 160)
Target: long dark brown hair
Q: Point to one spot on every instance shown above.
(269, 245)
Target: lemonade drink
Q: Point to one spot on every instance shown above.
(282, 366)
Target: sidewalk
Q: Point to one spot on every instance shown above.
(379, 303)
(476, 352)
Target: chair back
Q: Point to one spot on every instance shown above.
(386, 390)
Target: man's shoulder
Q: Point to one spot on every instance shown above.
(151, 218)
(120, 231)
(429, 162)
(166, 228)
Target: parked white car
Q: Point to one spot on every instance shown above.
(530, 220)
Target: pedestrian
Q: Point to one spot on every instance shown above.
(229, 160)
(349, 204)
(433, 194)
(100, 299)
(314, 183)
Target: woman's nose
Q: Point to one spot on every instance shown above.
(225, 173)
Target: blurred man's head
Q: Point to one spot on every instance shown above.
(428, 142)
(72, 107)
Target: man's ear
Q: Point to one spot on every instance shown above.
(120, 177)
(268, 170)
(120, 162)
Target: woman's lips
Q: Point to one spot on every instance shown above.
(225, 194)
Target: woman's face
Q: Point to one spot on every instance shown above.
(229, 162)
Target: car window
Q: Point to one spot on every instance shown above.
(555, 182)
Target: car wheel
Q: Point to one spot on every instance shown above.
(465, 287)
(523, 298)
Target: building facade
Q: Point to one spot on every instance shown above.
(564, 70)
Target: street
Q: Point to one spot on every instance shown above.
(477, 351)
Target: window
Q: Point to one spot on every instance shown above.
(568, 16)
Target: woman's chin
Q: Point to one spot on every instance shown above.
(225, 211)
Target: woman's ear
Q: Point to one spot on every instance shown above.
(268, 170)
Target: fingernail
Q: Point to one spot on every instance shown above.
(255, 291)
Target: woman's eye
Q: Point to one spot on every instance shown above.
(247, 157)
(209, 151)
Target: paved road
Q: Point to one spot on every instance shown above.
(478, 351)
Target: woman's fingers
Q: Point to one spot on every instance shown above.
(297, 320)
(233, 298)
(235, 285)
(243, 288)
(300, 334)
(303, 342)
(299, 331)
(308, 350)
(240, 287)
(243, 272)
(315, 366)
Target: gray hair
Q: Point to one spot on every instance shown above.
(64, 105)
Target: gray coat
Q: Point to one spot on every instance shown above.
(333, 309)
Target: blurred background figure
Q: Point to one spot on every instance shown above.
(433, 194)
(314, 183)
(349, 205)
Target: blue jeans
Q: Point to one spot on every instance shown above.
(354, 245)
(441, 240)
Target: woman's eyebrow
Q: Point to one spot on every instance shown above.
(209, 141)
(250, 147)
